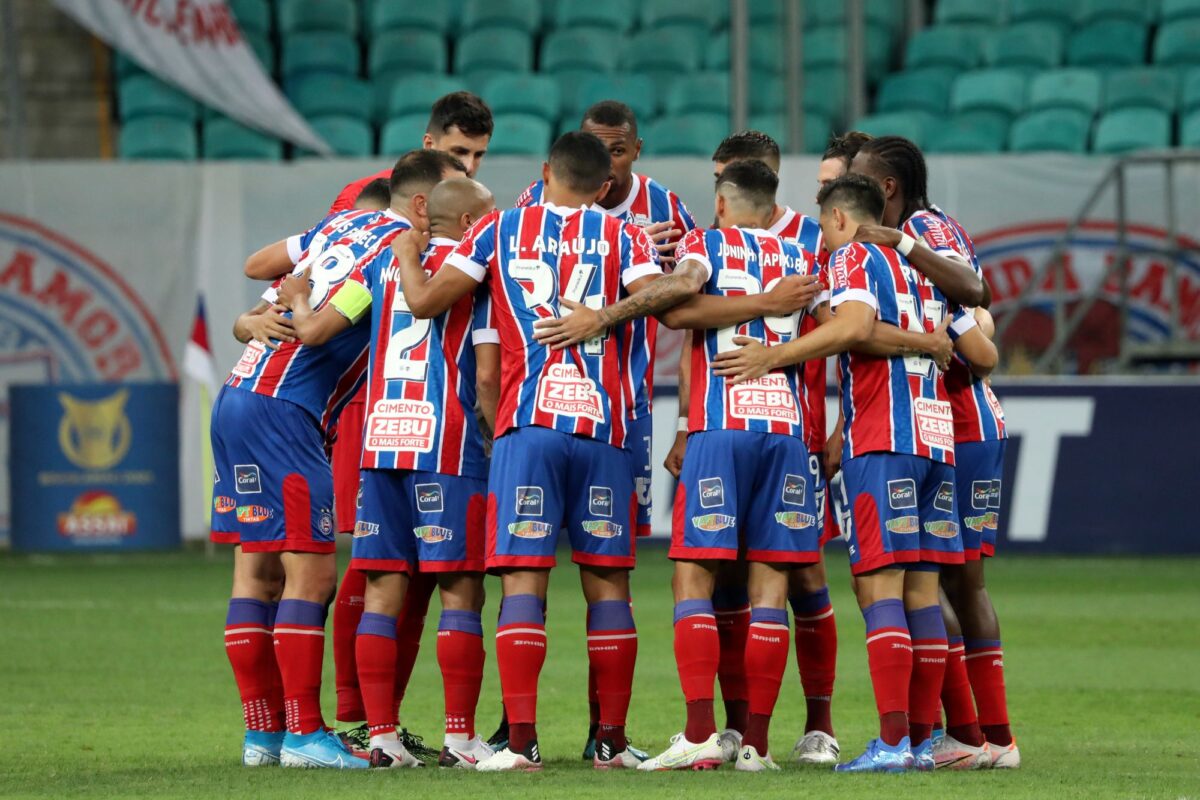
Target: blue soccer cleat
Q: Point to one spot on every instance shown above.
(923, 756)
(318, 750)
(880, 757)
(261, 748)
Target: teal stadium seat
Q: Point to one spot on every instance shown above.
(885, 13)
(613, 15)
(1001, 91)
(318, 52)
(1138, 11)
(703, 92)
(415, 94)
(1142, 87)
(947, 48)
(348, 136)
(1129, 129)
(493, 50)
(816, 130)
(401, 134)
(1175, 10)
(766, 52)
(158, 138)
(826, 47)
(520, 134)
(581, 49)
(1058, 130)
(524, 16)
(1075, 87)
(123, 66)
(636, 91)
(146, 96)
(320, 95)
(329, 16)
(968, 133)
(825, 92)
(225, 139)
(1189, 93)
(1189, 130)
(916, 90)
(1178, 44)
(406, 52)
(253, 16)
(663, 54)
(685, 135)
(390, 15)
(968, 12)
(700, 15)
(1108, 44)
(1031, 46)
(766, 12)
(535, 95)
(768, 95)
(1057, 12)
(912, 125)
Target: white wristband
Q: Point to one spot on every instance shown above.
(682, 425)
(907, 243)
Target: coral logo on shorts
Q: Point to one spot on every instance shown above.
(251, 514)
(432, 534)
(795, 520)
(902, 494)
(989, 521)
(795, 487)
(358, 497)
(713, 522)
(712, 492)
(429, 498)
(994, 494)
(325, 521)
(943, 529)
(602, 529)
(223, 504)
(909, 524)
(944, 500)
(363, 529)
(530, 530)
(529, 501)
(981, 492)
(600, 501)
(246, 479)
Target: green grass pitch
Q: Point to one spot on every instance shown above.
(113, 682)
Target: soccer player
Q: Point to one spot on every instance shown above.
(897, 467)
(558, 463)
(839, 152)
(424, 469)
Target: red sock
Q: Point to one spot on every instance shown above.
(961, 721)
(299, 651)
(376, 655)
(985, 666)
(612, 651)
(460, 656)
(890, 657)
(409, 627)
(816, 656)
(593, 698)
(766, 660)
(520, 654)
(697, 653)
(251, 651)
(732, 609)
(928, 632)
(347, 611)
(275, 692)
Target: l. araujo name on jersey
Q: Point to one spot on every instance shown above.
(531, 257)
(978, 416)
(897, 404)
(321, 379)
(742, 261)
(421, 379)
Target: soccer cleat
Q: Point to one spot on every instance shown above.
(880, 757)
(749, 760)
(589, 747)
(683, 754)
(938, 735)
(464, 755)
(950, 753)
(1005, 756)
(318, 750)
(387, 753)
(499, 740)
(261, 748)
(357, 740)
(922, 756)
(416, 745)
(816, 747)
(731, 744)
(507, 761)
(607, 758)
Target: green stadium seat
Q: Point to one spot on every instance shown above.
(685, 135)
(146, 96)
(253, 16)
(816, 130)
(662, 53)
(885, 13)
(123, 66)
(826, 47)
(495, 50)
(702, 15)
(1189, 94)
(1060, 130)
(612, 15)
(415, 94)
(406, 52)
(329, 16)
(1142, 87)
(636, 91)
(704, 93)
(226, 139)
(766, 12)
(321, 95)
(768, 95)
(1075, 88)
(1032, 45)
(1174, 10)
(949, 48)
(1189, 130)
(825, 92)
(1130, 129)
(1178, 44)
(348, 136)
(536, 95)
(912, 125)
(520, 134)
(584, 49)
(158, 137)
(968, 133)
(998, 90)
(1107, 44)
(401, 134)
(1139, 11)
(318, 52)
(916, 90)
(389, 15)
(766, 51)
(1057, 12)
(524, 16)
(968, 12)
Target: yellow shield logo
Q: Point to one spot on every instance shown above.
(94, 434)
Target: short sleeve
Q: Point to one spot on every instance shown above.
(483, 327)
(693, 248)
(271, 293)
(936, 234)
(850, 279)
(680, 215)
(961, 321)
(531, 196)
(477, 251)
(638, 256)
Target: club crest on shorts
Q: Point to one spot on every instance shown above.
(795, 487)
(902, 493)
(432, 534)
(530, 529)
(529, 501)
(713, 522)
(246, 479)
(429, 498)
(602, 528)
(712, 492)
(981, 492)
(325, 521)
(907, 524)
(795, 520)
(600, 501)
(944, 500)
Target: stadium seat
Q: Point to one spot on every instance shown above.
(662, 54)
(1109, 43)
(611, 15)
(1189, 94)
(157, 137)
(766, 12)
(885, 13)
(701, 15)
(768, 95)
(1132, 129)
(585, 50)
(253, 16)
(1139, 11)
(916, 90)
(1060, 130)
(388, 15)
(348, 136)
(415, 94)
(1178, 44)
(1075, 88)
(328, 16)
(766, 51)
(689, 134)
(536, 95)
(493, 50)
(968, 12)
(520, 134)
(1189, 130)
(226, 139)
(968, 133)
(910, 124)
(1033, 45)
(406, 52)
(703, 92)
(401, 134)
(826, 47)
(636, 91)
(320, 95)
(950, 48)
(1142, 87)
(999, 90)
(825, 92)
(1058, 12)
(524, 16)
(816, 131)
(123, 66)
(318, 52)
(146, 96)
(1174, 10)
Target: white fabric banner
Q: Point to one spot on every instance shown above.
(196, 45)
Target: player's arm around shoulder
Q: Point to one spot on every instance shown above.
(429, 297)
(973, 344)
(949, 272)
(315, 328)
(265, 324)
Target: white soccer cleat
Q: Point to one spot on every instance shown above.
(507, 761)
(460, 754)
(683, 754)
(605, 758)
(950, 753)
(816, 747)
(1005, 756)
(390, 753)
(731, 744)
(749, 760)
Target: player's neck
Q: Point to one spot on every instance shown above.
(442, 232)
(752, 223)
(617, 194)
(776, 215)
(567, 199)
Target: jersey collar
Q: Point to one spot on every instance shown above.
(565, 211)
(390, 212)
(783, 222)
(440, 241)
(621, 210)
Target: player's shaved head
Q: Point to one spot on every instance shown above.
(748, 144)
(418, 171)
(456, 198)
(580, 162)
(610, 114)
(749, 184)
(857, 196)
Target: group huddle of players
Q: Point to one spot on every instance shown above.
(506, 361)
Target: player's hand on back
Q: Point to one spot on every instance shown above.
(294, 286)
(878, 234)
(581, 324)
(270, 327)
(941, 346)
(665, 237)
(751, 360)
(410, 244)
(792, 293)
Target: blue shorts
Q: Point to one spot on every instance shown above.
(638, 444)
(273, 488)
(543, 481)
(408, 521)
(901, 510)
(744, 491)
(979, 472)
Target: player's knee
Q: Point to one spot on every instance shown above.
(462, 591)
(807, 579)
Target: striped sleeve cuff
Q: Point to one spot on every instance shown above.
(963, 324)
(461, 262)
(485, 336)
(294, 248)
(860, 295)
(638, 271)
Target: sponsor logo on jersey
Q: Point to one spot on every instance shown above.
(432, 534)
(944, 500)
(429, 498)
(770, 398)
(94, 434)
(795, 487)
(96, 515)
(363, 529)
(795, 520)
(981, 492)
(602, 528)
(902, 493)
(254, 513)
(600, 501)
(401, 425)
(713, 522)
(529, 529)
(993, 498)
(325, 521)
(941, 528)
(907, 524)
(246, 479)
(248, 363)
(529, 501)
(564, 390)
(935, 422)
(223, 504)
(712, 492)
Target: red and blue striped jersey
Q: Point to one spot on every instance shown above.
(744, 261)
(648, 202)
(420, 412)
(897, 404)
(978, 416)
(322, 379)
(531, 257)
